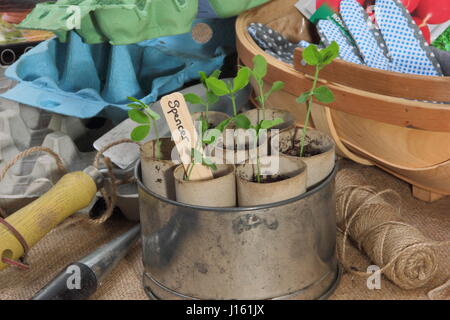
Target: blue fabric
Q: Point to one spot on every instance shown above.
(395, 45)
(81, 80)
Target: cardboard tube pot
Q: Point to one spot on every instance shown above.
(319, 152)
(288, 176)
(214, 117)
(157, 175)
(237, 146)
(219, 192)
(256, 115)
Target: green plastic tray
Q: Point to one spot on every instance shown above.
(115, 21)
(230, 8)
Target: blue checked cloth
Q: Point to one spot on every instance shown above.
(395, 44)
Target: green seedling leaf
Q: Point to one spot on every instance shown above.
(311, 55)
(224, 124)
(259, 67)
(216, 74)
(218, 87)
(196, 156)
(303, 97)
(267, 124)
(193, 98)
(155, 116)
(143, 105)
(204, 123)
(209, 163)
(329, 53)
(324, 95)
(135, 106)
(211, 98)
(242, 121)
(134, 100)
(276, 86)
(210, 136)
(203, 77)
(242, 79)
(138, 116)
(140, 133)
(259, 99)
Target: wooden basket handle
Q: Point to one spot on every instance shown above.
(323, 121)
(393, 84)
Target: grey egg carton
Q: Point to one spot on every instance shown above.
(23, 127)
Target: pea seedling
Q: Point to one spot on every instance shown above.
(210, 97)
(319, 59)
(223, 88)
(258, 73)
(142, 114)
(245, 123)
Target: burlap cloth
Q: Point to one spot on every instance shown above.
(75, 238)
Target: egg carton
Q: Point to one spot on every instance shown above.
(23, 127)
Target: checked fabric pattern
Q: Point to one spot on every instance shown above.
(396, 44)
(329, 31)
(410, 52)
(273, 42)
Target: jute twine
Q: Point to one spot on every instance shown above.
(109, 195)
(404, 254)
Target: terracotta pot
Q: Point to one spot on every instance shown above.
(219, 192)
(256, 115)
(157, 175)
(319, 165)
(251, 193)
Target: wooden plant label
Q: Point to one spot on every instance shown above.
(184, 134)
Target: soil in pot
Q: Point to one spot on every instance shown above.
(214, 117)
(219, 192)
(237, 146)
(319, 152)
(282, 179)
(256, 115)
(157, 174)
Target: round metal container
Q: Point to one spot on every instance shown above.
(284, 250)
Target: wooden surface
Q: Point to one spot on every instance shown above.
(378, 107)
(373, 80)
(425, 195)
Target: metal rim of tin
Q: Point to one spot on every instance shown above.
(291, 296)
(311, 191)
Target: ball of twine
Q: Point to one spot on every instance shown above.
(404, 254)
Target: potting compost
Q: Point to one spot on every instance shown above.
(224, 150)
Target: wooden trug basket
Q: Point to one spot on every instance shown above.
(376, 118)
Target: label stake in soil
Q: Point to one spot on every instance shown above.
(184, 134)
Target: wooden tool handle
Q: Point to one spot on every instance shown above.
(73, 192)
